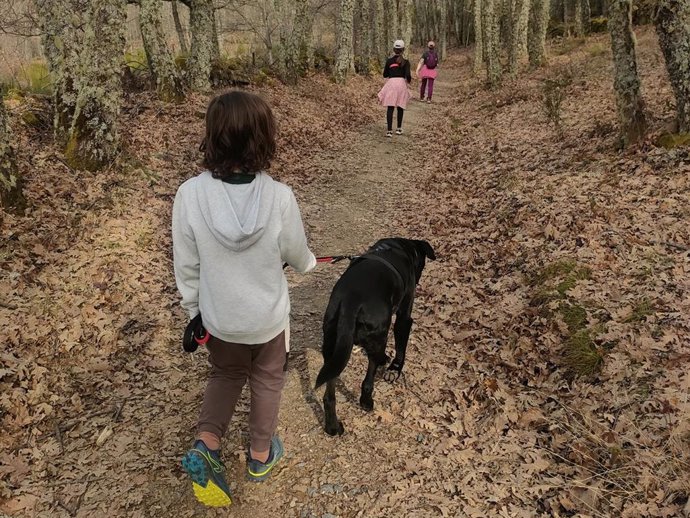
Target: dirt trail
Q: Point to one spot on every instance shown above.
(354, 203)
(351, 205)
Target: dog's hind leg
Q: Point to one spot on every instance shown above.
(332, 425)
(401, 332)
(366, 400)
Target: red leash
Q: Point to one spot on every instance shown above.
(335, 258)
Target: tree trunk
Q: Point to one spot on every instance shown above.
(672, 23)
(201, 22)
(304, 23)
(379, 32)
(478, 38)
(586, 16)
(626, 81)
(215, 41)
(407, 7)
(344, 54)
(392, 25)
(519, 29)
(578, 25)
(62, 40)
(536, 32)
(93, 138)
(184, 48)
(11, 195)
(491, 31)
(364, 37)
(443, 28)
(168, 82)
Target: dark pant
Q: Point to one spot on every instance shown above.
(389, 117)
(231, 365)
(423, 88)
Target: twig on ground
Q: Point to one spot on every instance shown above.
(58, 434)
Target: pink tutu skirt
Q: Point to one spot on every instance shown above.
(395, 93)
(426, 73)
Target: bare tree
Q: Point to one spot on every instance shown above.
(93, 140)
(379, 31)
(407, 18)
(536, 32)
(363, 36)
(304, 26)
(520, 18)
(586, 13)
(344, 50)
(202, 21)
(478, 38)
(11, 196)
(672, 21)
(178, 28)
(627, 80)
(443, 28)
(168, 81)
(62, 39)
(490, 29)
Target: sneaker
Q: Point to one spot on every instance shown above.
(206, 471)
(398, 131)
(259, 471)
(389, 133)
(428, 101)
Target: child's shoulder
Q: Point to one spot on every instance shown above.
(190, 184)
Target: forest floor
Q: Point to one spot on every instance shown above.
(547, 368)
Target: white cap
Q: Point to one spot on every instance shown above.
(399, 44)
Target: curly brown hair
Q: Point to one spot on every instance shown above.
(240, 134)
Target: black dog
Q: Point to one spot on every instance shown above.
(377, 285)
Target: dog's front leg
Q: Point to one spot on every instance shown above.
(366, 400)
(401, 332)
(332, 425)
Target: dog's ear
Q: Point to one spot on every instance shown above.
(425, 248)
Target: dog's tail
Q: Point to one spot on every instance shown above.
(337, 346)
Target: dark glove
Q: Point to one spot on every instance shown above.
(194, 335)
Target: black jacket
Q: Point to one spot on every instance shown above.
(393, 69)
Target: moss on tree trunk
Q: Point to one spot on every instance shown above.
(536, 32)
(168, 81)
(201, 22)
(344, 51)
(62, 38)
(672, 23)
(93, 140)
(381, 43)
(491, 30)
(478, 38)
(626, 78)
(520, 18)
(11, 195)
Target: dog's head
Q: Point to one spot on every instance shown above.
(422, 252)
(417, 250)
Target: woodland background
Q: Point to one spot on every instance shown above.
(547, 373)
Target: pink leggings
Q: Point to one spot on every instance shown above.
(431, 87)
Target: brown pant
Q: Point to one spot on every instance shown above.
(231, 365)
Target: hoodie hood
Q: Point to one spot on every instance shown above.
(236, 214)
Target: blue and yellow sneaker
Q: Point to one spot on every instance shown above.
(206, 471)
(259, 471)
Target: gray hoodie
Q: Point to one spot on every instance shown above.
(229, 245)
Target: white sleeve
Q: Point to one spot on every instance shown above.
(293, 241)
(185, 257)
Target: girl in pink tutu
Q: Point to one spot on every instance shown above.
(395, 93)
(426, 70)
